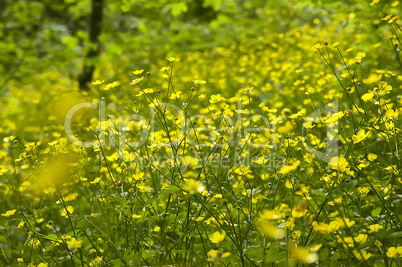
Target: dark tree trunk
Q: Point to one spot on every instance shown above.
(95, 28)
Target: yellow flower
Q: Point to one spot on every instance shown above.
(193, 186)
(98, 82)
(374, 2)
(137, 80)
(3, 171)
(145, 91)
(394, 19)
(336, 44)
(199, 82)
(387, 17)
(308, 125)
(394, 252)
(324, 228)
(65, 212)
(344, 222)
(74, 243)
(96, 180)
(338, 163)
(336, 116)
(175, 95)
(30, 146)
(346, 241)
(216, 98)
(270, 231)
(111, 85)
(135, 216)
(371, 156)
(300, 210)
(363, 190)
(367, 96)
(217, 237)
(318, 46)
(360, 136)
(226, 254)
(157, 229)
(301, 254)
(8, 213)
(361, 238)
(374, 228)
(289, 168)
(138, 72)
(212, 255)
(361, 255)
(21, 224)
(96, 261)
(270, 215)
(202, 96)
(164, 69)
(173, 59)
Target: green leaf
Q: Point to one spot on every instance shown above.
(375, 212)
(273, 255)
(49, 248)
(178, 8)
(51, 237)
(170, 189)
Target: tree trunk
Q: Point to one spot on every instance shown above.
(95, 28)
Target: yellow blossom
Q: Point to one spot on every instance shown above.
(202, 96)
(98, 82)
(96, 261)
(303, 255)
(74, 243)
(300, 210)
(289, 168)
(308, 125)
(374, 2)
(335, 117)
(173, 59)
(199, 82)
(361, 238)
(164, 69)
(66, 211)
(371, 156)
(363, 190)
(30, 146)
(360, 136)
(270, 231)
(9, 213)
(216, 98)
(361, 255)
(96, 180)
(394, 252)
(367, 96)
(375, 228)
(137, 81)
(193, 186)
(324, 228)
(338, 163)
(176, 95)
(138, 72)
(217, 237)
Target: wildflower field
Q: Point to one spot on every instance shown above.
(200, 133)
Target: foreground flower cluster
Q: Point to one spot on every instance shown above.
(278, 153)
